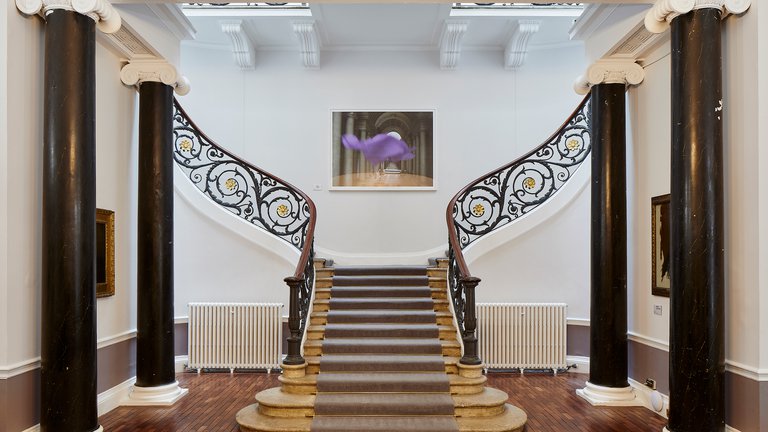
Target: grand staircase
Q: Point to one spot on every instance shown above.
(382, 354)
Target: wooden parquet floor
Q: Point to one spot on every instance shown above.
(215, 398)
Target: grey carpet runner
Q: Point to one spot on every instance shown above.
(382, 368)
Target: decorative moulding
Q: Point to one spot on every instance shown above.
(609, 396)
(242, 46)
(517, 47)
(106, 17)
(610, 71)
(137, 72)
(664, 11)
(309, 42)
(450, 43)
(591, 19)
(164, 395)
(174, 19)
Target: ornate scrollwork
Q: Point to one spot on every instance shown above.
(244, 190)
(515, 190)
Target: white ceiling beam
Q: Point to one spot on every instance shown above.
(450, 43)
(242, 46)
(517, 47)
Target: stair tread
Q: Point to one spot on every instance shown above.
(389, 382)
(380, 330)
(380, 345)
(383, 404)
(375, 291)
(383, 280)
(381, 270)
(385, 424)
(381, 363)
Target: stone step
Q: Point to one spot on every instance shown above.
(251, 420)
(383, 382)
(450, 364)
(380, 280)
(380, 330)
(339, 304)
(385, 424)
(442, 318)
(489, 402)
(512, 419)
(276, 403)
(435, 293)
(410, 346)
(392, 270)
(376, 404)
(307, 384)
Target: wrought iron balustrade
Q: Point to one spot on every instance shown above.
(502, 196)
(260, 198)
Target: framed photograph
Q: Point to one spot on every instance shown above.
(105, 253)
(660, 245)
(382, 150)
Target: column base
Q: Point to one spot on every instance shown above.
(665, 429)
(164, 395)
(100, 429)
(609, 396)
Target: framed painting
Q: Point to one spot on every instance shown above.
(105, 253)
(382, 150)
(660, 282)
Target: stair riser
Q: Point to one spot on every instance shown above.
(351, 281)
(286, 411)
(323, 282)
(323, 306)
(384, 388)
(324, 273)
(438, 283)
(382, 271)
(316, 351)
(479, 411)
(436, 294)
(451, 369)
(322, 320)
(443, 335)
(362, 410)
(467, 389)
(437, 272)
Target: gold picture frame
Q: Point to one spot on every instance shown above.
(660, 239)
(105, 253)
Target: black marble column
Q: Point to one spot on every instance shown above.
(68, 310)
(154, 344)
(608, 310)
(696, 345)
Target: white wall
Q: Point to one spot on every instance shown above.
(761, 15)
(116, 186)
(650, 153)
(648, 158)
(278, 116)
(23, 157)
(3, 184)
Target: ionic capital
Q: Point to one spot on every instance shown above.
(610, 71)
(106, 17)
(664, 11)
(139, 71)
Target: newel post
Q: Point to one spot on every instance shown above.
(294, 322)
(469, 335)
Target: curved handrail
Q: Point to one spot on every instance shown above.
(503, 195)
(259, 197)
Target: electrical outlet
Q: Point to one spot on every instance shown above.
(657, 309)
(650, 383)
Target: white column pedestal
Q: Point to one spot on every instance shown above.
(665, 429)
(165, 395)
(609, 396)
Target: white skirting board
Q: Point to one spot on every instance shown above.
(181, 363)
(582, 364)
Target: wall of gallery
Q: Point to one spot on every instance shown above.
(278, 116)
